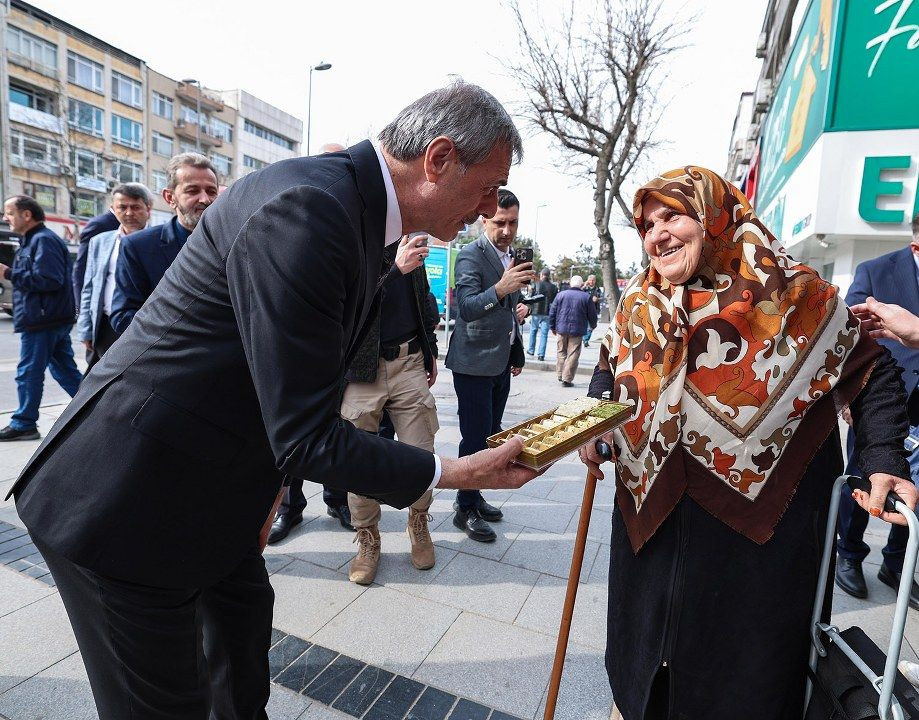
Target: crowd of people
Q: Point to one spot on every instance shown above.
(284, 332)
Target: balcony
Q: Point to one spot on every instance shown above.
(188, 130)
(35, 118)
(30, 64)
(193, 94)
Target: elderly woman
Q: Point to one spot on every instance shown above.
(738, 360)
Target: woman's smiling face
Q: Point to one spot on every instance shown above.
(673, 240)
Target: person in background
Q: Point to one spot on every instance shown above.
(539, 314)
(891, 278)
(145, 256)
(590, 287)
(486, 348)
(43, 313)
(393, 371)
(95, 225)
(290, 512)
(572, 312)
(131, 204)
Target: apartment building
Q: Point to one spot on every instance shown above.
(186, 118)
(264, 133)
(81, 116)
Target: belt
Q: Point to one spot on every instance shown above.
(395, 351)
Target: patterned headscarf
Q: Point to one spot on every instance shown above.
(730, 372)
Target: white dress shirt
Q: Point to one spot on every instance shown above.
(108, 291)
(391, 234)
(506, 259)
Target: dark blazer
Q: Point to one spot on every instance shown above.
(95, 225)
(367, 359)
(891, 278)
(572, 312)
(40, 275)
(480, 343)
(144, 257)
(229, 377)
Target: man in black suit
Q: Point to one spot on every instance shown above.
(229, 378)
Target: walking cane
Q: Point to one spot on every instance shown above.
(574, 576)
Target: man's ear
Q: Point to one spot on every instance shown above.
(439, 158)
(167, 196)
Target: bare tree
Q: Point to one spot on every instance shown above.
(593, 85)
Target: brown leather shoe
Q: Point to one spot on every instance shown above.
(420, 537)
(364, 566)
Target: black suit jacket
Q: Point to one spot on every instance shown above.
(164, 466)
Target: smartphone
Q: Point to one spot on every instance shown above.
(423, 235)
(523, 255)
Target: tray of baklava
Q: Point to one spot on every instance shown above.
(550, 436)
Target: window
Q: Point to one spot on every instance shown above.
(126, 132)
(90, 204)
(261, 132)
(35, 99)
(87, 164)
(186, 147)
(33, 152)
(43, 194)
(254, 163)
(127, 90)
(159, 180)
(223, 164)
(222, 130)
(25, 46)
(84, 72)
(162, 106)
(190, 116)
(124, 171)
(85, 117)
(162, 145)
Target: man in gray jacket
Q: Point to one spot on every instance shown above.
(486, 347)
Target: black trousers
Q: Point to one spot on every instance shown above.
(480, 404)
(105, 337)
(294, 501)
(162, 654)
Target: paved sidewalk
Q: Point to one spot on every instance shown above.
(471, 639)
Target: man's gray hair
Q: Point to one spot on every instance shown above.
(576, 281)
(135, 191)
(186, 159)
(470, 116)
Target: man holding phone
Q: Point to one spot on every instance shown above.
(486, 348)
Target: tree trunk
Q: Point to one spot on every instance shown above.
(601, 223)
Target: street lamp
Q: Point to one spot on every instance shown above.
(536, 229)
(309, 102)
(192, 81)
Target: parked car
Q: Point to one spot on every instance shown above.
(9, 244)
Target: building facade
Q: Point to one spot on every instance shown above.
(832, 158)
(80, 116)
(264, 133)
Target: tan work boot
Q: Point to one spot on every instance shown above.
(364, 566)
(420, 537)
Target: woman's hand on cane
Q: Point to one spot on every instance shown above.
(591, 457)
(881, 484)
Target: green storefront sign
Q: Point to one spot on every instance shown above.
(853, 67)
(876, 66)
(796, 118)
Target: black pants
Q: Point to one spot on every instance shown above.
(160, 654)
(480, 404)
(105, 336)
(294, 501)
